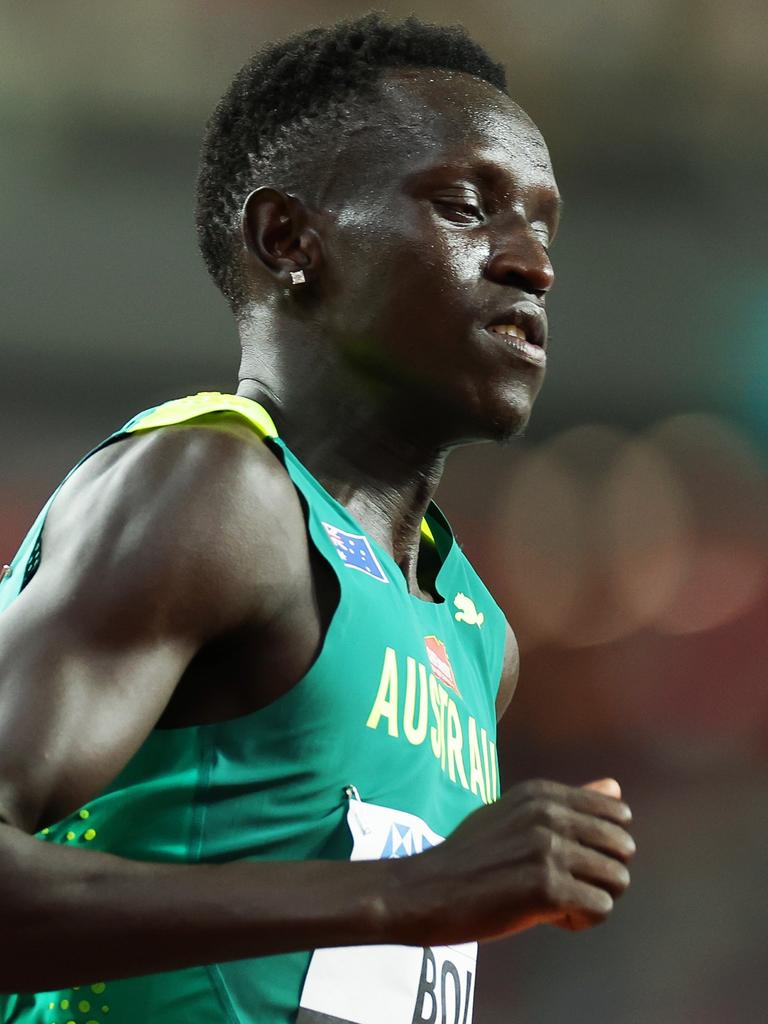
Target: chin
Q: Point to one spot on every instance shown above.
(498, 413)
(506, 430)
(506, 415)
(498, 426)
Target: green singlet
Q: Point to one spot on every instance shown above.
(399, 705)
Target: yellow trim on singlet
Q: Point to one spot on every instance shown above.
(182, 409)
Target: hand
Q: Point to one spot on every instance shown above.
(545, 853)
(571, 922)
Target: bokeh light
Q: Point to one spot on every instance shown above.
(725, 479)
(601, 533)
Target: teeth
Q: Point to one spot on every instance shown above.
(516, 332)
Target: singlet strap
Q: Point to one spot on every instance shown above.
(181, 410)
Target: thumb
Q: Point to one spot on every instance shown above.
(609, 787)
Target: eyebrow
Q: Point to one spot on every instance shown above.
(556, 202)
(491, 173)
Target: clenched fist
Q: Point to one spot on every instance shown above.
(545, 853)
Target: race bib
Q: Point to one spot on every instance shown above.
(389, 984)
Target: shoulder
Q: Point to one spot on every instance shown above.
(201, 476)
(184, 509)
(509, 673)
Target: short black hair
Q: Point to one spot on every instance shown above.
(294, 92)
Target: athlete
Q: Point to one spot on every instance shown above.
(248, 680)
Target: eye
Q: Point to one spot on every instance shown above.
(466, 206)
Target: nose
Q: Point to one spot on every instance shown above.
(519, 258)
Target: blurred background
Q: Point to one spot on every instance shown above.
(626, 535)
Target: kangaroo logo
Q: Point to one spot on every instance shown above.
(467, 611)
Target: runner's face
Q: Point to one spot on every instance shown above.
(451, 207)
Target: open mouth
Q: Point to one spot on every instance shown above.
(515, 338)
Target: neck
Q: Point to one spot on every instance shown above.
(380, 464)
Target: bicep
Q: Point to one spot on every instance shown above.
(77, 699)
(89, 655)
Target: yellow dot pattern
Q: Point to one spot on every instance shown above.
(84, 1006)
(70, 836)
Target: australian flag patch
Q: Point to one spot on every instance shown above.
(355, 551)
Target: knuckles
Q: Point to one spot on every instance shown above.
(544, 843)
(546, 812)
(537, 788)
(546, 865)
(546, 884)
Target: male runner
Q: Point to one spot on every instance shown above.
(248, 680)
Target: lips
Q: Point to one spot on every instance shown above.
(526, 323)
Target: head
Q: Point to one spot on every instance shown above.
(390, 165)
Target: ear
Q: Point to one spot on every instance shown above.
(276, 233)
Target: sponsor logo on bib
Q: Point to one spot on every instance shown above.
(389, 984)
(403, 841)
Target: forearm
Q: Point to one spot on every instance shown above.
(72, 916)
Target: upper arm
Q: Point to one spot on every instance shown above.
(149, 550)
(509, 673)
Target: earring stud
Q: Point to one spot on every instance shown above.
(297, 277)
